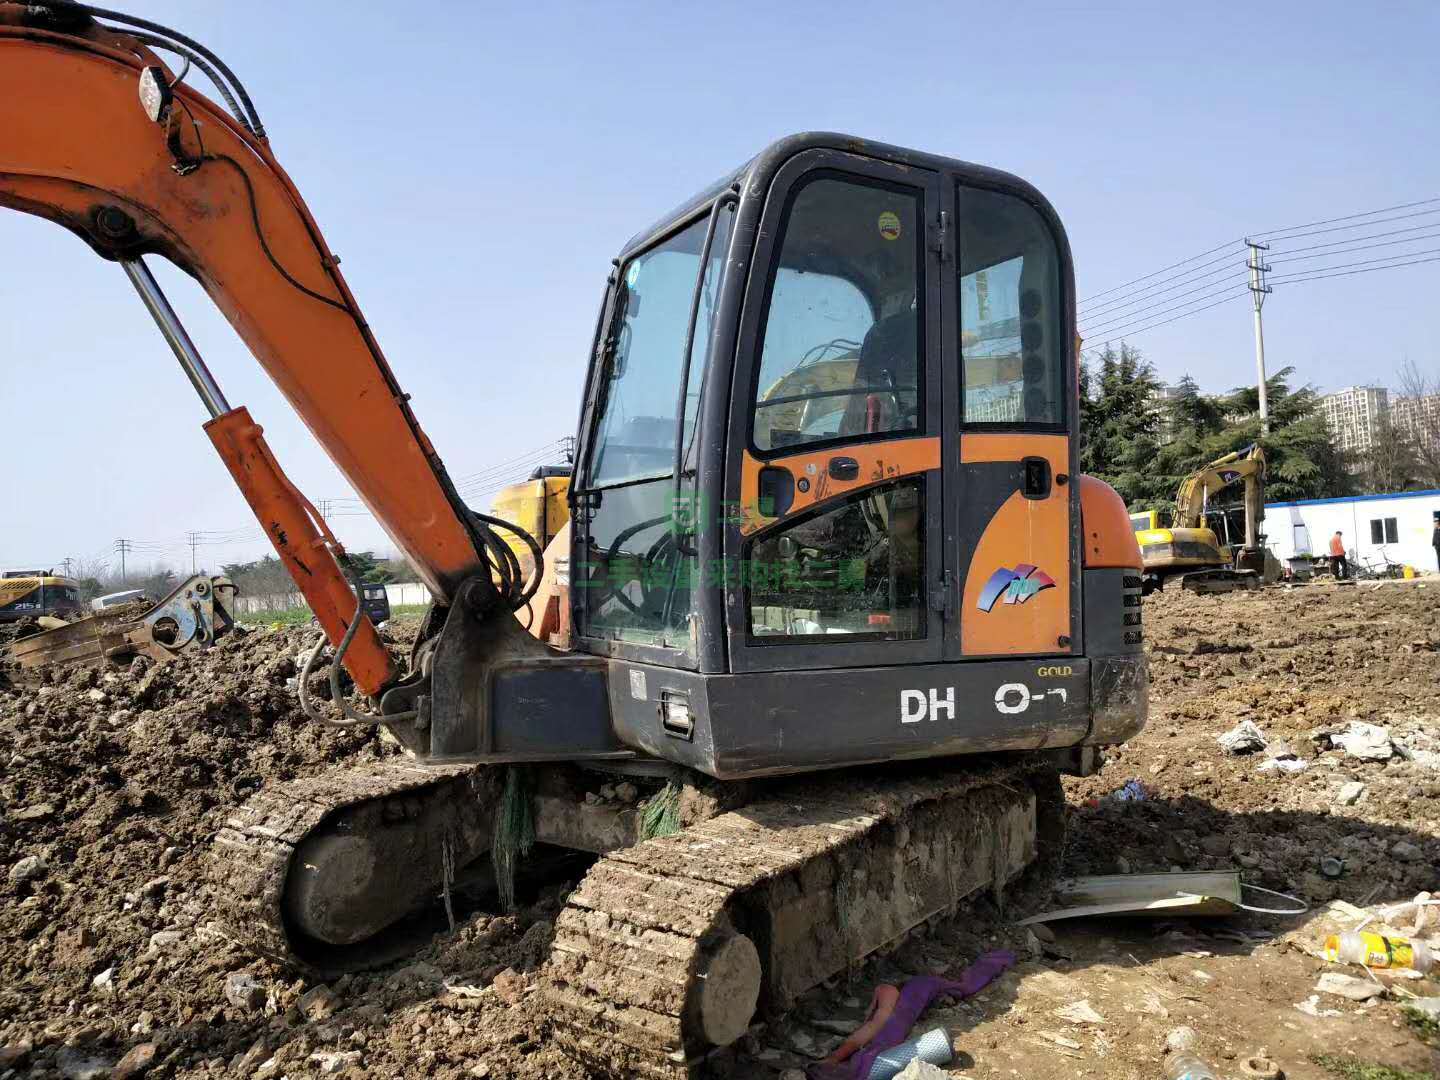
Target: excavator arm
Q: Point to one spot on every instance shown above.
(1199, 487)
(98, 135)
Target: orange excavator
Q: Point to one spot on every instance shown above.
(831, 608)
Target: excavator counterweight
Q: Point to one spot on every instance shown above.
(824, 555)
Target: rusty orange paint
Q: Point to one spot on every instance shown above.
(547, 615)
(1022, 531)
(292, 528)
(1109, 536)
(879, 462)
(74, 139)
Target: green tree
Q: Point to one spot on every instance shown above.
(1120, 424)
(1391, 463)
(1303, 460)
(371, 570)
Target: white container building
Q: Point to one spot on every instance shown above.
(1376, 528)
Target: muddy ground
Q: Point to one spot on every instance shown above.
(111, 787)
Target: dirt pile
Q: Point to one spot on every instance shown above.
(1313, 669)
(112, 787)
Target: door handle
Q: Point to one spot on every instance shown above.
(844, 468)
(1036, 478)
(776, 492)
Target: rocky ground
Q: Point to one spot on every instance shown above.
(112, 966)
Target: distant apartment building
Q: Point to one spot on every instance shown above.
(1356, 415)
(1159, 400)
(1417, 418)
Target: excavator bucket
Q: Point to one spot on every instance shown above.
(194, 615)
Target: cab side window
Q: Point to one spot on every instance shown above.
(1012, 338)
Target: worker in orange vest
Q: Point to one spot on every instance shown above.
(1339, 565)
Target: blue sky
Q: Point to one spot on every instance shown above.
(477, 166)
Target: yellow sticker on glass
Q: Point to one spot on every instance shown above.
(889, 225)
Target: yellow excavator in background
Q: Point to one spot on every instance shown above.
(33, 593)
(1196, 544)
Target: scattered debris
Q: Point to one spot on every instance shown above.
(1426, 1006)
(30, 868)
(1405, 851)
(1349, 794)
(243, 991)
(1367, 742)
(12, 1054)
(920, 1070)
(1130, 791)
(1243, 738)
(1347, 986)
(135, 1063)
(1060, 1040)
(318, 1003)
(1377, 951)
(1180, 1038)
(1260, 1067)
(1081, 1012)
(77, 1064)
(1332, 867)
(1311, 1007)
(335, 1062)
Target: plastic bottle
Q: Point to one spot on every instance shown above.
(1186, 1066)
(933, 1046)
(1377, 951)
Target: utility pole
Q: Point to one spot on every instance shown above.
(567, 446)
(324, 507)
(194, 538)
(122, 546)
(1258, 291)
(66, 563)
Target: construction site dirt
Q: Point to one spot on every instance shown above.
(113, 784)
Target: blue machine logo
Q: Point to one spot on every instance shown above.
(1016, 586)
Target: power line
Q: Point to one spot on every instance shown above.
(1365, 262)
(1347, 228)
(1351, 217)
(1347, 273)
(1163, 269)
(1138, 317)
(548, 448)
(1149, 289)
(1362, 247)
(1116, 315)
(1367, 236)
(1164, 322)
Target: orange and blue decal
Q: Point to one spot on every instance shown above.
(1016, 586)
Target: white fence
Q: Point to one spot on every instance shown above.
(407, 593)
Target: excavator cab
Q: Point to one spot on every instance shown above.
(823, 508)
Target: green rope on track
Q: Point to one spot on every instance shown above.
(661, 816)
(514, 834)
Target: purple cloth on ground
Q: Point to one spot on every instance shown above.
(915, 997)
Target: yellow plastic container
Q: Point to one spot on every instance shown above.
(1410, 572)
(1377, 951)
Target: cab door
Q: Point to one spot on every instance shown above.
(1012, 509)
(834, 538)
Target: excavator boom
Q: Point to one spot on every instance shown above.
(197, 186)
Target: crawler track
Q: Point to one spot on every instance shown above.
(817, 877)
(253, 859)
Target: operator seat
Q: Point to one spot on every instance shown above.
(887, 376)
